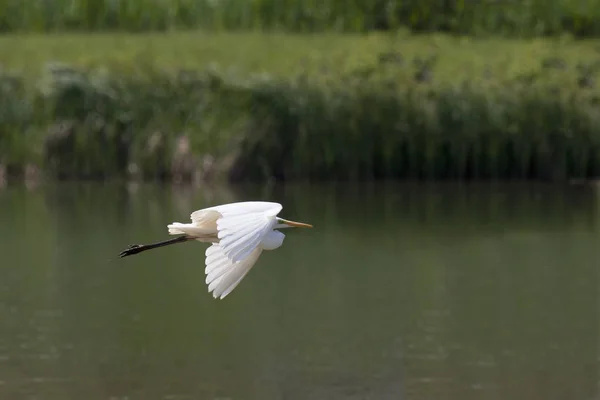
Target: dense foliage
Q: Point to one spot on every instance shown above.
(499, 17)
(362, 124)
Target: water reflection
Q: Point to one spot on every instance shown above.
(401, 291)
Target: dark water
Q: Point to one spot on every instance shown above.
(441, 291)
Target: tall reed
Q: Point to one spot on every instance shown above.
(372, 124)
(515, 18)
(381, 130)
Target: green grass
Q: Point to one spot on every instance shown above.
(286, 56)
(331, 106)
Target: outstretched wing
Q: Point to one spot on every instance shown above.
(211, 214)
(223, 275)
(240, 234)
(240, 229)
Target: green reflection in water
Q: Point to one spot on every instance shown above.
(401, 291)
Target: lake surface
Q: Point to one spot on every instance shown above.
(401, 291)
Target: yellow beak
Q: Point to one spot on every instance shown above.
(295, 224)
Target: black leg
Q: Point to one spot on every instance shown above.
(138, 248)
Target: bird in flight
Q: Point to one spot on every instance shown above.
(238, 233)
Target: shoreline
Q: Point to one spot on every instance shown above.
(392, 109)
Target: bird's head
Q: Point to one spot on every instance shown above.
(284, 223)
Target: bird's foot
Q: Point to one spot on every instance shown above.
(132, 249)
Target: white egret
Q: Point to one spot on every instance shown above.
(238, 233)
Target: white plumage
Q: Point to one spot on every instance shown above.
(238, 233)
(222, 274)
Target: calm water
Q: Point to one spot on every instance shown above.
(439, 291)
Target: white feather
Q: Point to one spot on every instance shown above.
(236, 231)
(212, 214)
(177, 228)
(206, 218)
(246, 207)
(239, 235)
(223, 275)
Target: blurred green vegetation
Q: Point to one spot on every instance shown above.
(331, 107)
(580, 18)
(285, 55)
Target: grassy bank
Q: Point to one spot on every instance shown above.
(514, 18)
(333, 107)
(286, 56)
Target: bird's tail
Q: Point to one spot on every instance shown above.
(202, 234)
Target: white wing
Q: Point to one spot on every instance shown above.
(241, 227)
(240, 234)
(232, 209)
(223, 275)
